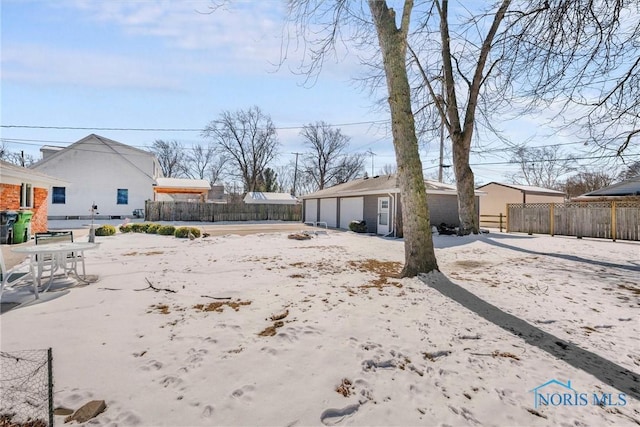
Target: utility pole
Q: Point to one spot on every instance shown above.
(295, 174)
(372, 154)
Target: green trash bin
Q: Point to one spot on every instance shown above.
(22, 228)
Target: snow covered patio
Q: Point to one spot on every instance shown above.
(264, 330)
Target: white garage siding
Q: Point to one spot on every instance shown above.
(351, 208)
(329, 211)
(311, 210)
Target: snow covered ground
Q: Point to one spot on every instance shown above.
(265, 330)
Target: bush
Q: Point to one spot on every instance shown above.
(166, 230)
(358, 226)
(183, 232)
(153, 228)
(137, 227)
(125, 228)
(105, 230)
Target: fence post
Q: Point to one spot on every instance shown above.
(551, 216)
(50, 385)
(613, 220)
(501, 222)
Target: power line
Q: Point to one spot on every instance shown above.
(167, 129)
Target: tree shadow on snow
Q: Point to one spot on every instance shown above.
(490, 240)
(606, 371)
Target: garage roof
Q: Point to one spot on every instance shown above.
(379, 185)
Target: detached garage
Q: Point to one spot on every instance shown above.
(377, 202)
(351, 209)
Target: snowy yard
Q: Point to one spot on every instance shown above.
(264, 330)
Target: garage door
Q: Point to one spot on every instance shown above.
(351, 208)
(329, 211)
(311, 210)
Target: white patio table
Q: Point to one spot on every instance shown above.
(58, 255)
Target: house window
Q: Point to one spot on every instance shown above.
(58, 195)
(123, 196)
(26, 196)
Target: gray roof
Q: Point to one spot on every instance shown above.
(15, 174)
(629, 187)
(106, 141)
(528, 188)
(378, 185)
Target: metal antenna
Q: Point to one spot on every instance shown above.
(372, 155)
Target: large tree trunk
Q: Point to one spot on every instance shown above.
(466, 185)
(418, 244)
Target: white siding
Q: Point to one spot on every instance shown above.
(351, 208)
(95, 171)
(329, 211)
(311, 210)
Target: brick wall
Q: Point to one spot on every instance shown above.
(40, 210)
(10, 200)
(9, 197)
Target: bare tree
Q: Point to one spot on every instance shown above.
(391, 37)
(216, 170)
(198, 160)
(285, 175)
(388, 169)
(328, 163)
(542, 166)
(15, 157)
(171, 156)
(248, 139)
(586, 181)
(631, 171)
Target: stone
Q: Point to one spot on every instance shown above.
(88, 411)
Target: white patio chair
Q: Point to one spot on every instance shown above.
(14, 276)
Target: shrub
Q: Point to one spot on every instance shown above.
(358, 226)
(183, 232)
(138, 227)
(125, 228)
(153, 228)
(105, 230)
(166, 230)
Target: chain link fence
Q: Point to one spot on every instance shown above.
(26, 388)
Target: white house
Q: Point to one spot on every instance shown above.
(114, 176)
(264, 198)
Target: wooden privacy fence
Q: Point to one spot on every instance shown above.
(608, 220)
(211, 212)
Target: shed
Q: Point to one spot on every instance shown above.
(377, 201)
(180, 189)
(265, 198)
(499, 194)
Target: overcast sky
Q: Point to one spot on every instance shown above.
(159, 65)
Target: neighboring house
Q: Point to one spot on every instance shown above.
(627, 189)
(22, 188)
(180, 190)
(263, 198)
(498, 195)
(114, 176)
(377, 202)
